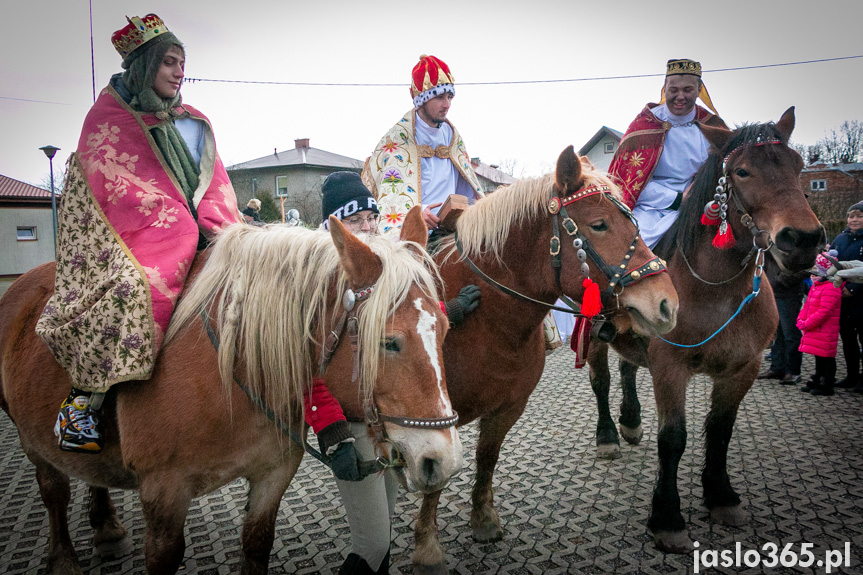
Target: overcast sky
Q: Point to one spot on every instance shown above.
(46, 86)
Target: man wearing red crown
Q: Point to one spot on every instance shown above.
(422, 159)
(144, 190)
(663, 148)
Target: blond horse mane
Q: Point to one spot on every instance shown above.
(484, 227)
(268, 289)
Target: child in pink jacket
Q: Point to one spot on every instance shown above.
(819, 322)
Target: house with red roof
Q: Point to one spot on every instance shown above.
(26, 229)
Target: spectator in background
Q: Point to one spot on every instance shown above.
(785, 357)
(849, 246)
(819, 322)
(250, 214)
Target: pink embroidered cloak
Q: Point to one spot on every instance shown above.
(126, 240)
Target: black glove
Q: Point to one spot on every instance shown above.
(346, 462)
(344, 459)
(462, 305)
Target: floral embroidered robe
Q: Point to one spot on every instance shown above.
(126, 240)
(393, 172)
(640, 148)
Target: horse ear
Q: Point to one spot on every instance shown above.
(717, 137)
(360, 263)
(785, 125)
(567, 176)
(414, 228)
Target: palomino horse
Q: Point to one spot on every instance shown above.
(272, 294)
(494, 361)
(761, 176)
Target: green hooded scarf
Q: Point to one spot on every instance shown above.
(141, 67)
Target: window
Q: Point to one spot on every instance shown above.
(609, 147)
(818, 185)
(281, 186)
(26, 233)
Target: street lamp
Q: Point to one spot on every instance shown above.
(50, 151)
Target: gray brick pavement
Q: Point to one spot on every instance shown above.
(795, 459)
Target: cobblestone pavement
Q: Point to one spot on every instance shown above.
(795, 459)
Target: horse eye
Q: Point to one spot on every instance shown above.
(391, 344)
(741, 173)
(599, 226)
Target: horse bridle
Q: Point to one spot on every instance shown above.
(724, 192)
(618, 277)
(348, 321)
(351, 302)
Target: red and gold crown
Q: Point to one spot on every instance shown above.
(428, 73)
(136, 33)
(683, 66)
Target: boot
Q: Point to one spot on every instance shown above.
(814, 381)
(846, 383)
(825, 388)
(356, 565)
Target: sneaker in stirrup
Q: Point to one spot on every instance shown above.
(77, 425)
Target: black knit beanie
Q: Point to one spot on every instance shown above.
(344, 195)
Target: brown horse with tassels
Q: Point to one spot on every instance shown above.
(525, 245)
(727, 314)
(270, 296)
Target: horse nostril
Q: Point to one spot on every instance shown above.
(430, 468)
(665, 310)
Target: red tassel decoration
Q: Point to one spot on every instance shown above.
(591, 304)
(723, 241)
(710, 217)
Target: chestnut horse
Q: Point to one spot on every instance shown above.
(495, 359)
(270, 294)
(762, 177)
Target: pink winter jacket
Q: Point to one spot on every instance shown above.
(819, 320)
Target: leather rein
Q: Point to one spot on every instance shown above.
(347, 322)
(618, 277)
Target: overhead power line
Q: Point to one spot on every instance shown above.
(558, 81)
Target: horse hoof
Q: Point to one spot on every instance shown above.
(730, 515)
(115, 549)
(487, 533)
(439, 569)
(673, 541)
(632, 435)
(608, 451)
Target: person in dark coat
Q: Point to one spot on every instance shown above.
(785, 357)
(849, 245)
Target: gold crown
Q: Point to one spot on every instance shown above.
(683, 67)
(137, 32)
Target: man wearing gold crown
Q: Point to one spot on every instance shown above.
(422, 159)
(144, 190)
(663, 148)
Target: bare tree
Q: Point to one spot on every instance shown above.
(512, 167)
(843, 146)
(59, 179)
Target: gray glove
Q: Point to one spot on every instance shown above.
(851, 271)
(462, 305)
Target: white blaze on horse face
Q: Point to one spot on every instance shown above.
(428, 335)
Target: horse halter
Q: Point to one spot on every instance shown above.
(618, 277)
(716, 211)
(348, 321)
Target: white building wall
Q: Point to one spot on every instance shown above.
(600, 158)
(17, 256)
